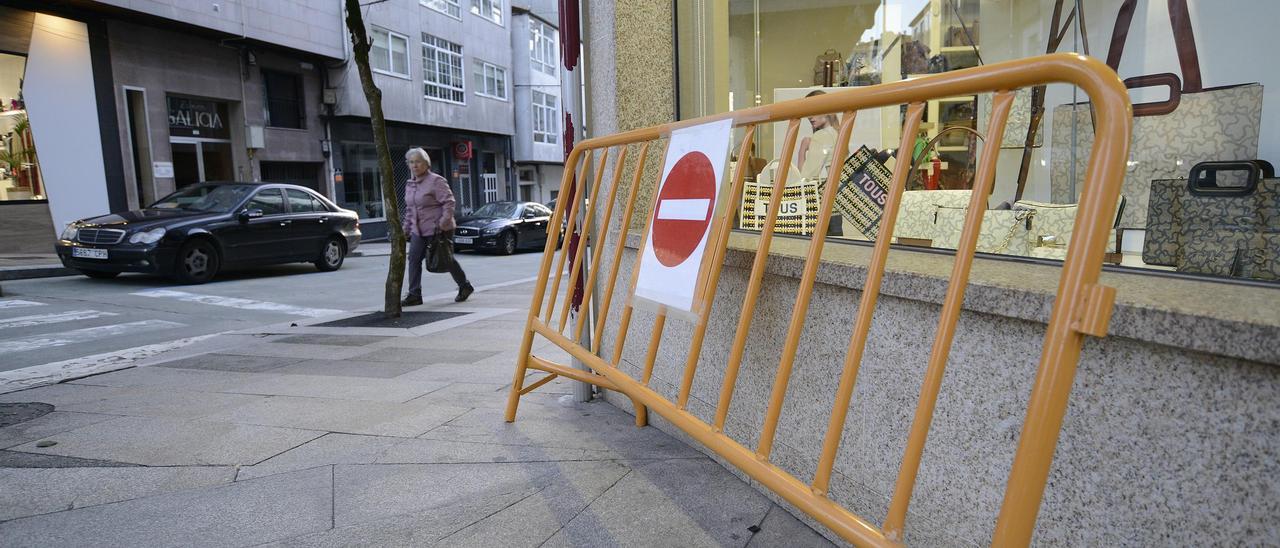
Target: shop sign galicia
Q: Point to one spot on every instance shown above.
(197, 118)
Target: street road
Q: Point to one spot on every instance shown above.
(52, 320)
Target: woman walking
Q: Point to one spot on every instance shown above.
(428, 210)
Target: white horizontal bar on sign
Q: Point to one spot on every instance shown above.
(37, 342)
(693, 209)
(42, 319)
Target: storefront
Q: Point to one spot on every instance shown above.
(475, 165)
(58, 155)
(741, 54)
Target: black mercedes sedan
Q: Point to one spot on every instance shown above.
(199, 230)
(503, 227)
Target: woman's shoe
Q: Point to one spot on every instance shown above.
(464, 291)
(411, 300)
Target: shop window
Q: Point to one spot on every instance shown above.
(737, 55)
(490, 10)
(542, 47)
(360, 188)
(442, 70)
(389, 52)
(19, 166)
(490, 80)
(545, 118)
(285, 108)
(452, 8)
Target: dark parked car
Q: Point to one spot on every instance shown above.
(195, 232)
(504, 227)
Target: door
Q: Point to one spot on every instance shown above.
(186, 163)
(261, 239)
(310, 222)
(200, 160)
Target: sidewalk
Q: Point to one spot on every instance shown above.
(323, 436)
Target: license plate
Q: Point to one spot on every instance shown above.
(88, 253)
(458, 240)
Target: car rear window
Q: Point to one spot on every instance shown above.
(270, 201)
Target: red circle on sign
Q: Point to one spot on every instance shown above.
(677, 228)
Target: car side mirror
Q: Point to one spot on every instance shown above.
(249, 214)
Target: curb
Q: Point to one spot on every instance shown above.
(30, 272)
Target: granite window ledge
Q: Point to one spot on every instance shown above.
(1232, 320)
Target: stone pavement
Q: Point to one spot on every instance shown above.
(319, 436)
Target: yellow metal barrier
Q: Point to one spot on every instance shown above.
(1082, 307)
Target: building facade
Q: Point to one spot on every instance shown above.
(444, 68)
(539, 95)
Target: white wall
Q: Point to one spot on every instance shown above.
(60, 101)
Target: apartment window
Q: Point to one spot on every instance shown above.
(284, 100)
(545, 116)
(389, 52)
(542, 47)
(488, 9)
(442, 70)
(491, 80)
(452, 8)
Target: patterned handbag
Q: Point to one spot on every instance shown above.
(864, 188)
(1004, 231)
(799, 209)
(1202, 226)
(1195, 124)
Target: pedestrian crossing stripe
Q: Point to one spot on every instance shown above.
(17, 303)
(236, 302)
(44, 319)
(38, 342)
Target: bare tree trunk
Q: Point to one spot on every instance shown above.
(360, 46)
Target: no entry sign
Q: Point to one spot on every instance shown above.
(682, 215)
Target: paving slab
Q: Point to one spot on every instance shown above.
(58, 395)
(349, 368)
(240, 514)
(669, 503)
(372, 418)
(171, 403)
(34, 491)
(153, 441)
(330, 340)
(48, 425)
(452, 372)
(424, 356)
(357, 449)
(402, 530)
(18, 459)
(369, 492)
(780, 528)
(271, 349)
(200, 380)
(335, 388)
(230, 362)
(610, 432)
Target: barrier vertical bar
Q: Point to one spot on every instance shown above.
(578, 189)
(655, 339)
(757, 273)
(548, 253)
(624, 230)
(1061, 352)
(721, 239)
(805, 291)
(624, 323)
(597, 244)
(983, 180)
(867, 304)
(592, 204)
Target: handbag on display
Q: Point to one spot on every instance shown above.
(1004, 231)
(829, 69)
(1203, 225)
(863, 190)
(440, 252)
(915, 57)
(798, 213)
(1195, 124)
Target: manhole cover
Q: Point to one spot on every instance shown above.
(406, 319)
(16, 413)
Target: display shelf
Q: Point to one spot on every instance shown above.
(956, 49)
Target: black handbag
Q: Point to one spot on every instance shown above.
(440, 252)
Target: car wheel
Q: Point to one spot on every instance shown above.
(332, 256)
(99, 274)
(197, 262)
(507, 243)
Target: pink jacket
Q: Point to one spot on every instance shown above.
(428, 204)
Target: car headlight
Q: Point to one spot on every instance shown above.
(70, 232)
(147, 236)
(491, 231)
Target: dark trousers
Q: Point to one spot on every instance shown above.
(415, 264)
